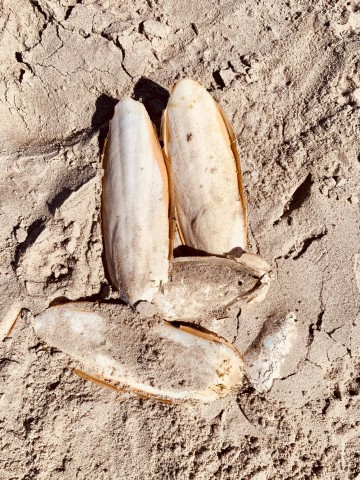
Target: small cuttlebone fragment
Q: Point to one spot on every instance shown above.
(9, 319)
(205, 169)
(265, 357)
(135, 204)
(146, 356)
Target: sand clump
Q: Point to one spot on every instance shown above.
(287, 76)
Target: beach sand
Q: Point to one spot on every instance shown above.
(287, 74)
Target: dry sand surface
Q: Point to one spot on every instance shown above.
(288, 76)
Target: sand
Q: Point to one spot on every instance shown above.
(287, 75)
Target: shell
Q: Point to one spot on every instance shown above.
(205, 287)
(266, 355)
(146, 356)
(206, 172)
(135, 205)
(9, 319)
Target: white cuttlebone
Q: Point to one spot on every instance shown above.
(135, 204)
(84, 335)
(205, 170)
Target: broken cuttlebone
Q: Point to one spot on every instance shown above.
(265, 357)
(9, 319)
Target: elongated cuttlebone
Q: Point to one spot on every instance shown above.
(146, 356)
(135, 204)
(205, 169)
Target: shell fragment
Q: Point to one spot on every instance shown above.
(265, 357)
(206, 171)
(135, 204)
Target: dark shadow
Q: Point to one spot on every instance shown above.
(219, 81)
(33, 231)
(236, 252)
(301, 194)
(104, 111)
(154, 97)
(59, 199)
(101, 297)
(185, 251)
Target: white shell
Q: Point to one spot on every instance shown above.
(135, 205)
(266, 355)
(147, 356)
(205, 170)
